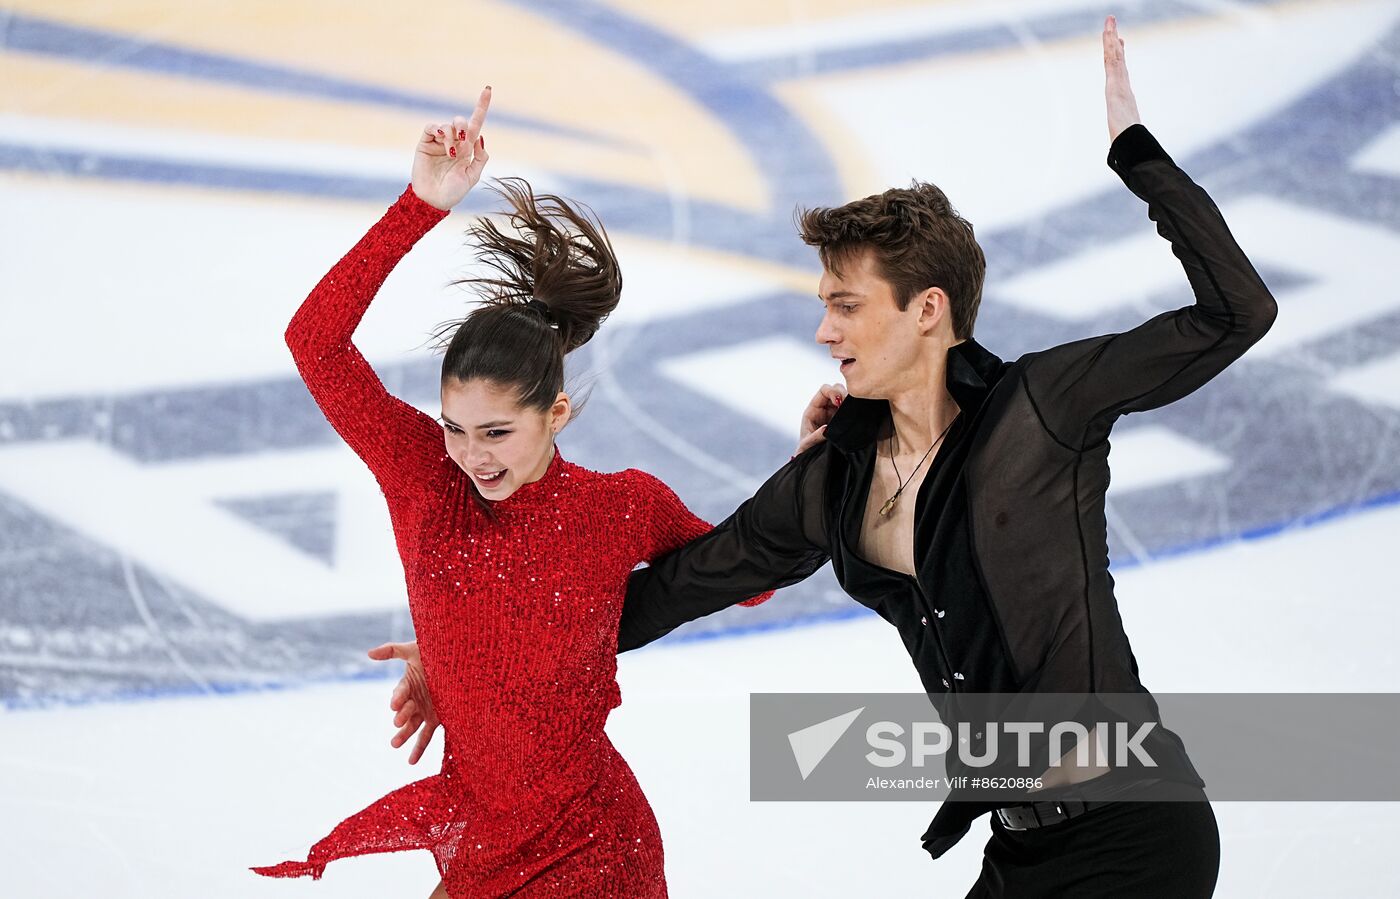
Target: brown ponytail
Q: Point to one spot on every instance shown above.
(554, 280)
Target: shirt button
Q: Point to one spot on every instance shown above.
(938, 612)
(924, 622)
(945, 683)
(957, 676)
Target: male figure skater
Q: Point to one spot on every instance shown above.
(962, 498)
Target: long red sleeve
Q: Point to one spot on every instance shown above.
(667, 524)
(402, 446)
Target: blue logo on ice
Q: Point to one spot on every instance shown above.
(811, 744)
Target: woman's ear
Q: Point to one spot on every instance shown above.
(559, 412)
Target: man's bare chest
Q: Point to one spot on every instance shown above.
(887, 532)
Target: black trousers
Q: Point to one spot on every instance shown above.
(1142, 850)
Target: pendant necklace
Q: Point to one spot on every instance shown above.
(889, 503)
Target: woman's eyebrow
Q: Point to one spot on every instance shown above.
(489, 424)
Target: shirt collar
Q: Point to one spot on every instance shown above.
(970, 374)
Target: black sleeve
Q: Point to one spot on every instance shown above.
(1081, 388)
(775, 538)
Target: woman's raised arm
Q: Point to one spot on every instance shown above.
(400, 444)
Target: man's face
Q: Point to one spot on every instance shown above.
(865, 329)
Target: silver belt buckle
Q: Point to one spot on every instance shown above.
(1001, 813)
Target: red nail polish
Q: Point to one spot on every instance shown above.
(440, 133)
(452, 151)
(482, 139)
(461, 135)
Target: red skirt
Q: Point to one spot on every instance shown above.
(603, 841)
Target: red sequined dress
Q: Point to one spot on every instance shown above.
(516, 620)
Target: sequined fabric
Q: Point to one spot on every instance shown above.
(516, 616)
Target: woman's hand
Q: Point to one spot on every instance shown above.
(410, 701)
(818, 413)
(451, 157)
(1122, 106)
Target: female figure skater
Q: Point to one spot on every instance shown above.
(516, 561)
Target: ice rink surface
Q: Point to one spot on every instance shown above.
(192, 564)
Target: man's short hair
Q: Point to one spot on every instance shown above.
(919, 241)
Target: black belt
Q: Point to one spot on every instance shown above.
(1043, 814)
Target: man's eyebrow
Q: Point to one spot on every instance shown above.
(838, 295)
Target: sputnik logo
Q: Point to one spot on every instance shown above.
(811, 744)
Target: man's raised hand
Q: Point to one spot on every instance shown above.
(1118, 92)
(450, 157)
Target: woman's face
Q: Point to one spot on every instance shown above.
(500, 444)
